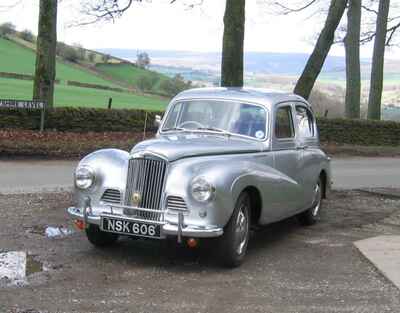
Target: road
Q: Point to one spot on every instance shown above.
(348, 173)
(288, 268)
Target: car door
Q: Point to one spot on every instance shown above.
(286, 160)
(307, 145)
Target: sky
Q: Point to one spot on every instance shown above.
(159, 25)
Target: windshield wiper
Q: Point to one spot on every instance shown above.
(173, 129)
(220, 130)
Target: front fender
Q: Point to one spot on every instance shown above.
(230, 176)
(110, 167)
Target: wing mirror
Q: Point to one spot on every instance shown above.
(157, 121)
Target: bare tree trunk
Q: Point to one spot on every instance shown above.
(45, 71)
(317, 58)
(352, 49)
(232, 50)
(378, 58)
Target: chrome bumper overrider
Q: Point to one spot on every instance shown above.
(180, 230)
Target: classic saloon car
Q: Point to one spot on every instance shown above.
(223, 160)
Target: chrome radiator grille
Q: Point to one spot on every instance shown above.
(145, 178)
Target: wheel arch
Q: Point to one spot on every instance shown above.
(323, 177)
(255, 203)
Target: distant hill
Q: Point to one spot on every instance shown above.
(256, 62)
(206, 65)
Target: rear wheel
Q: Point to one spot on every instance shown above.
(100, 238)
(233, 243)
(311, 216)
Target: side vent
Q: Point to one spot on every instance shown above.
(176, 203)
(111, 196)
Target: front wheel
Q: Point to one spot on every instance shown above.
(311, 216)
(233, 243)
(100, 238)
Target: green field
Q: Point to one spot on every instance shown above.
(81, 97)
(129, 74)
(15, 58)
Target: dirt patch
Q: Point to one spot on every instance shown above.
(288, 268)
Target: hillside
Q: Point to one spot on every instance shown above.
(129, 74)
(19, 59)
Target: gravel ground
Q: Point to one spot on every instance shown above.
(288, 268)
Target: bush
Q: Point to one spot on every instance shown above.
(27, 35)
(359, 132)
(173, 86)
(70, 54)
(146, 82)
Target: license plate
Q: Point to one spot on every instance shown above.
(128, 227)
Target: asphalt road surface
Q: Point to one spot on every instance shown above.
(288, 268)
(348, 173)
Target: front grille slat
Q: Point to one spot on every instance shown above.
(146, 176)
(176, 203)
(111, 196)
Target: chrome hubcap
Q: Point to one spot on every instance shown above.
(241, 230)
(317, 199)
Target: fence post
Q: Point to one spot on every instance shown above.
(109, 103)
(42, 116)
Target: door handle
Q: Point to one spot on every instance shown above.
(303, 147)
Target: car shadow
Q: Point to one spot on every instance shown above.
(148, 253)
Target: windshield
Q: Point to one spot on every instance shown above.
(220, 116)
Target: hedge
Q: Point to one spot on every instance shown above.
(337, 131)
(78, 119)
(359, 132)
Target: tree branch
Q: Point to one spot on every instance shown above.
(288, 10)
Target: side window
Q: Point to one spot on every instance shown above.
(305, 121)
(284, 123)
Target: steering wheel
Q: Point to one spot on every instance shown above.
(195, 123)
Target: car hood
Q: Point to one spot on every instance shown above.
(175, 147)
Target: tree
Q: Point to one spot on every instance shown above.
(105, 58)
(324, 42)
(91, 57)
(375, 92)
(7, 29)
(352, 50)
(143, 60)
(232, 46)
(45, 70)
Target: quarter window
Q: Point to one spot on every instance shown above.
(305, 121)
(284, 123)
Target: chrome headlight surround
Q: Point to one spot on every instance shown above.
(202, 190)
(84, 177)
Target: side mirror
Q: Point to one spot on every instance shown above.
(157, 121)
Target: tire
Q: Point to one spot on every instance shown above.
(311, 216)
(233, 243)
(100, 238)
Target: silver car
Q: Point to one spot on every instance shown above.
(223, 160)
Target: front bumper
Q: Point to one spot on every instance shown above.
(180, 230)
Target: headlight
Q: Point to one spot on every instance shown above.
(84, 177)
(202, 190)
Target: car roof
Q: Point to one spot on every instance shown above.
(262, 96)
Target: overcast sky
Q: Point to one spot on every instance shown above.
(159, 25)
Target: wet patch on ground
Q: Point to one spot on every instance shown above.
(17, 266)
